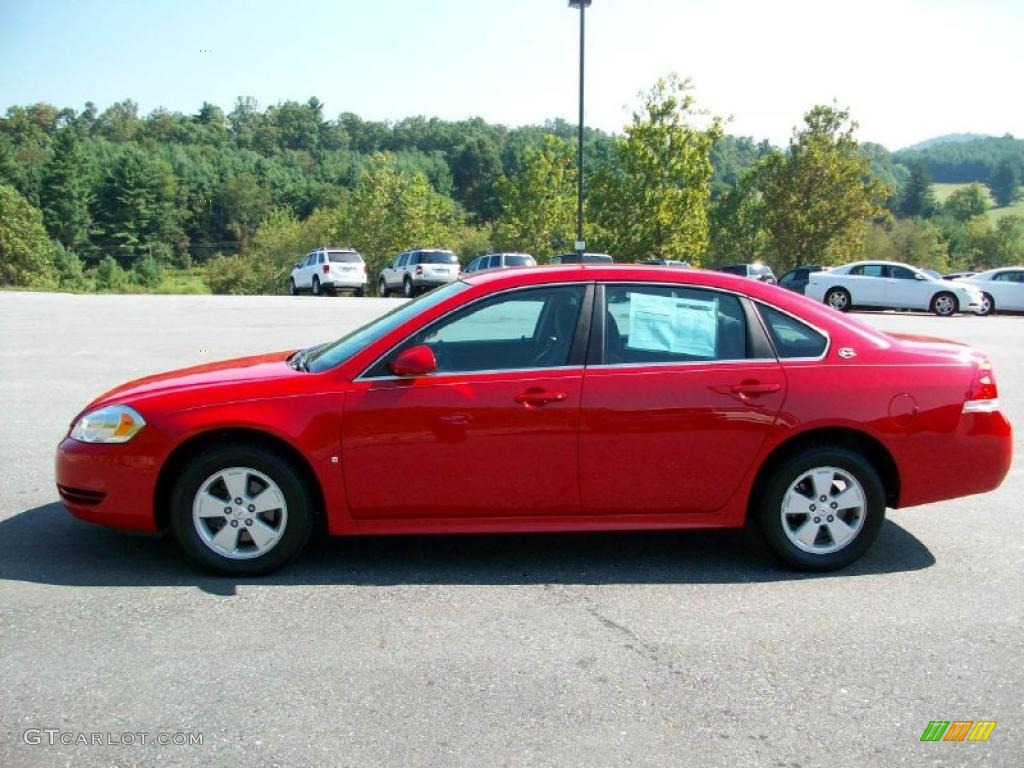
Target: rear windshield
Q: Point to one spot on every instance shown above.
(345, 257)
(601, 257)
(438, 257)
(516, 260)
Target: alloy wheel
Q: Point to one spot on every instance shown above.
(823, 510)
(239, 513)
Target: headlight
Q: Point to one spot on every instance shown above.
(110, 424)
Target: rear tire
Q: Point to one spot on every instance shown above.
(359, 292)
(812, 534)
(838, 299)
(944, 304)
(317, 290)
(407, 289)
(270, 497)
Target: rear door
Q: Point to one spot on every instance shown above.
(678, 401)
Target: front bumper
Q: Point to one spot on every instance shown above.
(108, 484)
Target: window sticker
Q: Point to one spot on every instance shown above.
(667, 324)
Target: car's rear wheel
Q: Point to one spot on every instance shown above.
(838, 298)
(360, 291)
(317, 289)
(944, 304)
(241, 510)
(822, 508)
(293, 289)
(382, 289)
(407, 288)
(988, 304)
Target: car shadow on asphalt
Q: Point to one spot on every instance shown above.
(46, 545)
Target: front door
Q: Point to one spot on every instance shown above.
(493, 432)
(675, 410)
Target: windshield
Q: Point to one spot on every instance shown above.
(345, 257)
(519, 260)
(336, 352)
(438, 257)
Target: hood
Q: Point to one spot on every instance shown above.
(240, 370)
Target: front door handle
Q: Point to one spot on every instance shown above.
(536, 397)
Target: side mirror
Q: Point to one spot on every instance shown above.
(296, 265)
(415, 361)
(919, 276)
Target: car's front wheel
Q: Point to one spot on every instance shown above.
(382, 289)
(822, 508)
(293, 289)
(988, 305)
(838, 298)
(241, 510)
(944, 304)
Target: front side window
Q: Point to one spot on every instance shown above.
(672, 324)
(523, 329)
(902, 273)
(791, 337)
(403, 258)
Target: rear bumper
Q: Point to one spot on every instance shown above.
(433, 282)
(332, 281)
(974, 458)
(107, 484)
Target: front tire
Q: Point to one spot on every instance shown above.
(838, 299)
(988, 305)
(944, 304)
(241, 510)
(382, 289)
(293, 289)
(822, 509)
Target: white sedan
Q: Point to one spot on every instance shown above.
(890, 285)
(1000, 289)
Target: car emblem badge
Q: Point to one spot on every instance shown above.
(847, 352)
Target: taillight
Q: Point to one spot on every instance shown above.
(983, 394)
(419, 270)
(327, 268)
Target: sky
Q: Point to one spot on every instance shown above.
(908, 70)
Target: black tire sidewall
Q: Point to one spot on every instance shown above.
(775, 489)
(316, 286)
(408, 289)
(298, 528)
(849, 299)
(991, 305)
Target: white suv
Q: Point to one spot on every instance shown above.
(413, 271)
(329, 270)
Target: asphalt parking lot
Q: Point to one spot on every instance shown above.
(591, 649)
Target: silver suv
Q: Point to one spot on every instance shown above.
(501, 261)
(328, 270)
(414, 271)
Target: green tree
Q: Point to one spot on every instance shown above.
(109, 275)
(1005, 182)
(917, 200)
(476, 167)
(817, 196)
(69, 268)
(737, 225)
(24, 246)
(653, 201)
(966, 202)
(66, 191)
(243, 202)
(1004, 245)
(136, 203)
(538, 203)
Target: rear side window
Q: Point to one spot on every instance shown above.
(791, 337)
(672, 324)
(869, 270)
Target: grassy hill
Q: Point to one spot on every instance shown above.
(943, 191)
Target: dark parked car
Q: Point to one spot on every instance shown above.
(796, 279)
(588, 258)
(753, 271)
(664, 262)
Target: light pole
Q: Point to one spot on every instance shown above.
(580, 244)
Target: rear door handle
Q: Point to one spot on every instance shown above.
(748, 388)
(536, 397)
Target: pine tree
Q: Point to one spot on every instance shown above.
(65, 193)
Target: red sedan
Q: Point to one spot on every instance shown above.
(589, 397)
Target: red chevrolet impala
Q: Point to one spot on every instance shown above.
(589, 397)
